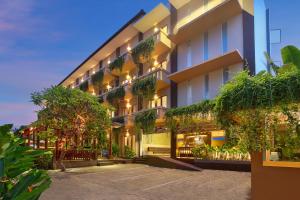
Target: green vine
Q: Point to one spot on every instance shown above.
(146, 121)
(116, 94)
(117, 64)
(97, 78)
(189, 116)
(142, 52)
(144, 87)
(84, 86)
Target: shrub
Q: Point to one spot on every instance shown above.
(115, 150)
(44, 161)
(129, 153)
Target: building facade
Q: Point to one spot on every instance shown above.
(191, 48)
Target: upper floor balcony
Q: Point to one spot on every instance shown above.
(160, 113)
(161, 75)
(203, 17)
(125, 63)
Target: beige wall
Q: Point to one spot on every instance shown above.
(197, 85)
(155, 140)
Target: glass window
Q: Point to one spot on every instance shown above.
(189, 93)
(225, 75)
(189, 54)
(205, 46)
(275, 36)
(164, 101)
(224, 38)
(77, 81)
(206, 86)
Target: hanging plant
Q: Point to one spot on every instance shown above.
(97, 78)
(144, 87)
(142, 52)
(84, 86)
(116, 94)
(186, 116)
(117, 64)
(146, 121)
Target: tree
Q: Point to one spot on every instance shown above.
(19, 179)
(70, 113)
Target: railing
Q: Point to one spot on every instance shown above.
(77, 155)
(185, 151)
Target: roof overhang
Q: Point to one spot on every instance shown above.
(123, 35)
(228, 59)
(178, 3)
(204, 21)
(155, 16)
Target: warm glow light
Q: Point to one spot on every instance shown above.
(155, 63)
(93, 93)
(128, 105)
(156, 30)
(128, 77)
(108, 87)
(94, 72)
(127, 133)
(31, 129)
(72, 87)
(128, 48)
(155, 97)
(107, 135)
(108, 62)
(81, 80)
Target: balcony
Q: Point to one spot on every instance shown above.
(162, 80)
(202, 19)
(162, 44)
(160, 111)
(226, 60)
(128, 65)
(107, 76)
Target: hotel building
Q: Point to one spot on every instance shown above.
(198, 45)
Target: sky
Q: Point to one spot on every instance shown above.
(42, 41)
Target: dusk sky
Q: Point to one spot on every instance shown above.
(41, 41)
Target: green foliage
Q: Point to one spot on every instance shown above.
(115, 94)
(84, 86)
(142, 52)
(97, 78)
(44, 161)
(188, 116)
(70, 112)
(115, 150)
(254, 109)
(260, 91)
(291, 55)
(144, 87)
(129, 153)
(207, 152)
(117, 64)
(19, 179)
(145, 120)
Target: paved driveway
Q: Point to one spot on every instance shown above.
(139, 182)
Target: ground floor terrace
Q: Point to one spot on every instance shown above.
(136, 181)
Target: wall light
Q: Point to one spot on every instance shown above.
(108, 62)
(155, 29)
(81, 80)
(127, 133)
(155, 63)
(155, 97)
(108, 87)
(93, 72)
(128, 48)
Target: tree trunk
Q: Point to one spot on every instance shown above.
(60, 159)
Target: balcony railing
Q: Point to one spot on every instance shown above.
(160, 111)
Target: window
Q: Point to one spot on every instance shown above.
(164, 102)
(87, 74)
(100, 64)
(206, 86)
(189, 93)
(160, 102)
(275, 36)
(225, 75)
(224, 38)
(205, 46)
(77, 81)
(189, 54)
